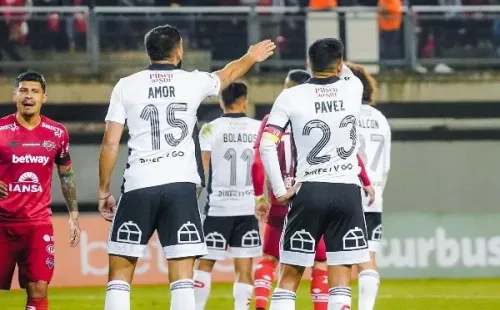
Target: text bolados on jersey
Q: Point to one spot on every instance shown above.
(322, 114)
(159, 105)
(230, 140)
(375, 148)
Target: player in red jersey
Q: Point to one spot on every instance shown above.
(264, 274)
(30, 144)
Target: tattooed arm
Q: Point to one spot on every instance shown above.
(68, 186)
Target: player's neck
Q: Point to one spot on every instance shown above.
(164, 62)
(28, 122)
(324, 75)
(234, 111)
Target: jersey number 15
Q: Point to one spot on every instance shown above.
(150, 113)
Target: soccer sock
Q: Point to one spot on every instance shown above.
(282, 300)
(202, 285)
(182, 295)
(37, 304)
(264, 278)
(369, 281)
(242, 293)
(340, 298)
(117, 295)
(319, 289)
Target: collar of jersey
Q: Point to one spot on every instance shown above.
(323, 81)
(161, 67)
(234, 115)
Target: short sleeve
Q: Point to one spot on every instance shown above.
(280, 112)
(62, 157)
(206, 137)
(208, 83)
(116, 109)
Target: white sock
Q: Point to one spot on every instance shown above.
(202, 285)
(339, 298)
(117, 295)
(182, 295)
(282, 300)
(242, 293)
(369, 281)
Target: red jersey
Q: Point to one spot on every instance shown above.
(286, 156)
(27, 160)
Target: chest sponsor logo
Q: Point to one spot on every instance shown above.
(27, 183)
(30, 159)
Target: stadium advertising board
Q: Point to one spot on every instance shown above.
(417, 245)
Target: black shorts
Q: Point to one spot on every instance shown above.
(240, 233)
(374, 228)
(170, 209)
(330, 209)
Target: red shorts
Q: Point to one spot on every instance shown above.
(32, 249)
(271, 243)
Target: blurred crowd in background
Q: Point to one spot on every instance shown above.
(439, 35)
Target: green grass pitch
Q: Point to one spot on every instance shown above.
(393, 295)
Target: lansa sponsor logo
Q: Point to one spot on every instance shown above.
(30, 159)
(27, 183)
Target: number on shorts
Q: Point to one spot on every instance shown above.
(380, 139)
(247, 156)
(150, 113)
(312, 157)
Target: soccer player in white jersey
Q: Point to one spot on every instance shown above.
(159, 105)
(227, 152)
(374, 147)
(323, 116)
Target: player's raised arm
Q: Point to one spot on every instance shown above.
(273, 131)
(68, 187)
(115, 121)
(238, 68)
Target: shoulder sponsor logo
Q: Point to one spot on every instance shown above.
(11, 127)
(57, 131)
(30, 159)
(50, 249)
(27, 183)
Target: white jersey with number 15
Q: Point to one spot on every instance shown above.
(375, 150)
(159, 106)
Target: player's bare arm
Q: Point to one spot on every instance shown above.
(205, 159)
(107, 161)
(238, 68)
(68, 187)
(3, 190)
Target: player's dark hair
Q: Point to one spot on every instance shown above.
(161, 41)
(369, 83)
(324, 54)
(31, 76)
(298, 76)
(234, 92)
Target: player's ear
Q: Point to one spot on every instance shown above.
(44, 98)
(340, 67)
(221, 104)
